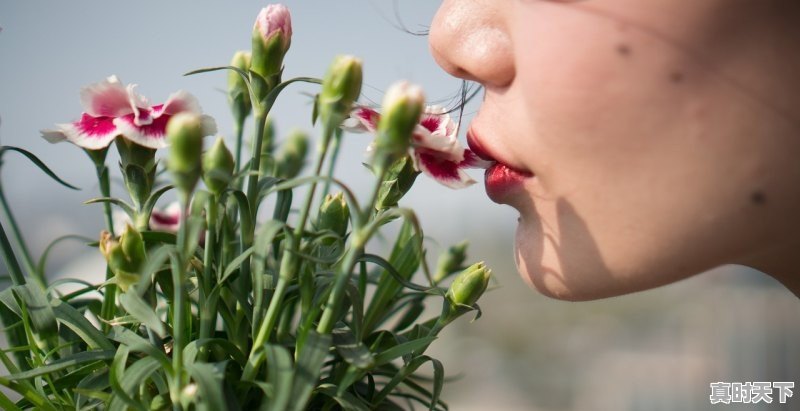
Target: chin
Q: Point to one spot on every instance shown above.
(571, 271)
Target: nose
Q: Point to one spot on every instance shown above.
(470, 39)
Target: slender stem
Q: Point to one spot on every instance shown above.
(336, 145)
(238, 130)
(255, 161)
(208, 311)
(27, 260)
(108, 307)
(179, 300)
(11, 261)
(358, 240)
(289, 263)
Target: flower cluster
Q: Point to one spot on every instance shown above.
(112, 109)
(435, 148)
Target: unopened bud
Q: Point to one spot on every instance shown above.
(218, 167)
(402, 107)
(398, 180)
(340, 89)
(334, 214)
(125, 256)
(292, 155)
(450, 261)
(185, 136)
(469, 285)
(238, 94)
(272, 36)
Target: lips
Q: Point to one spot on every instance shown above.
(502, 182)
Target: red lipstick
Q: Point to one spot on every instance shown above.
(501, 181)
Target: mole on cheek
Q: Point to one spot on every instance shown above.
(676, 77)
(758, 197)
(623, 50)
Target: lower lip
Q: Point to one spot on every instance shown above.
(503, 182)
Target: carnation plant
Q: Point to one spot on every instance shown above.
(205, 306)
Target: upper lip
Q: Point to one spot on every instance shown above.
(476, 146)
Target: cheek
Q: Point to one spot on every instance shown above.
(618, 122)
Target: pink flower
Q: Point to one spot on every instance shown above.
(274, 19)
(434, 146)
(167, 219)
(112, 109)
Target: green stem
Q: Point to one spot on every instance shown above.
(179, 301)
(358, 239)
(108, 307)
(238, 130)
(289, 263)
(11, 261)
(27, 260)
(336, 145)
(208, 311)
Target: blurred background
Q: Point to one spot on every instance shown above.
(656, 350)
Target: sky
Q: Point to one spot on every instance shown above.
(50, 49)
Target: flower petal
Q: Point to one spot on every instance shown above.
(446, 172)
(139, 106)
(362, 119)
(168, 219)
(108, 98)
(446, 147)
(89, 132)
(471, 160)
(176, 103)
(152, 135)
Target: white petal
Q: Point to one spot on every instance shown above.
(106, 98)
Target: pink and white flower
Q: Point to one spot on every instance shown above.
(112, 109)
(167, 219)
(434, 146)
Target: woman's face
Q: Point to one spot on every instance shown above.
(641, 142)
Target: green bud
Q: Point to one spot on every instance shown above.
(334, 214)
(218, 167)
(125, 256)
(469, 285)
(138, 166)
(238, 94)
(402, 108)
(272, 36)
(396, 183)
(292, 155)
(341, 86)
(185, 136)
(450, 261)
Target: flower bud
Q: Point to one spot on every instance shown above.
(272, 35)
(334, 214)
(218, 167)
(185, 135)
(292, 155)
(450, 261)
(402, 108)
(125, 256)
(238, 94)
(340, 89)
(138, 166)
(469, 285)
(398, 180)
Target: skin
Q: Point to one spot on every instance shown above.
(663, 135)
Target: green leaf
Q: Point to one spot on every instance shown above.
(73, 319)
(133, 342)
(127, 208)
(352, 350)
(93, 385)
(64, 363)
(153, 199)
(7, 404)
(29, 393)
(280, 375)
(406, 371)
(308, 368)
(138, 308)
(346, 400)
(402, 349)
(43, 320)
(191, 350)
(38, 163)
(120, 401)
(209, 378)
